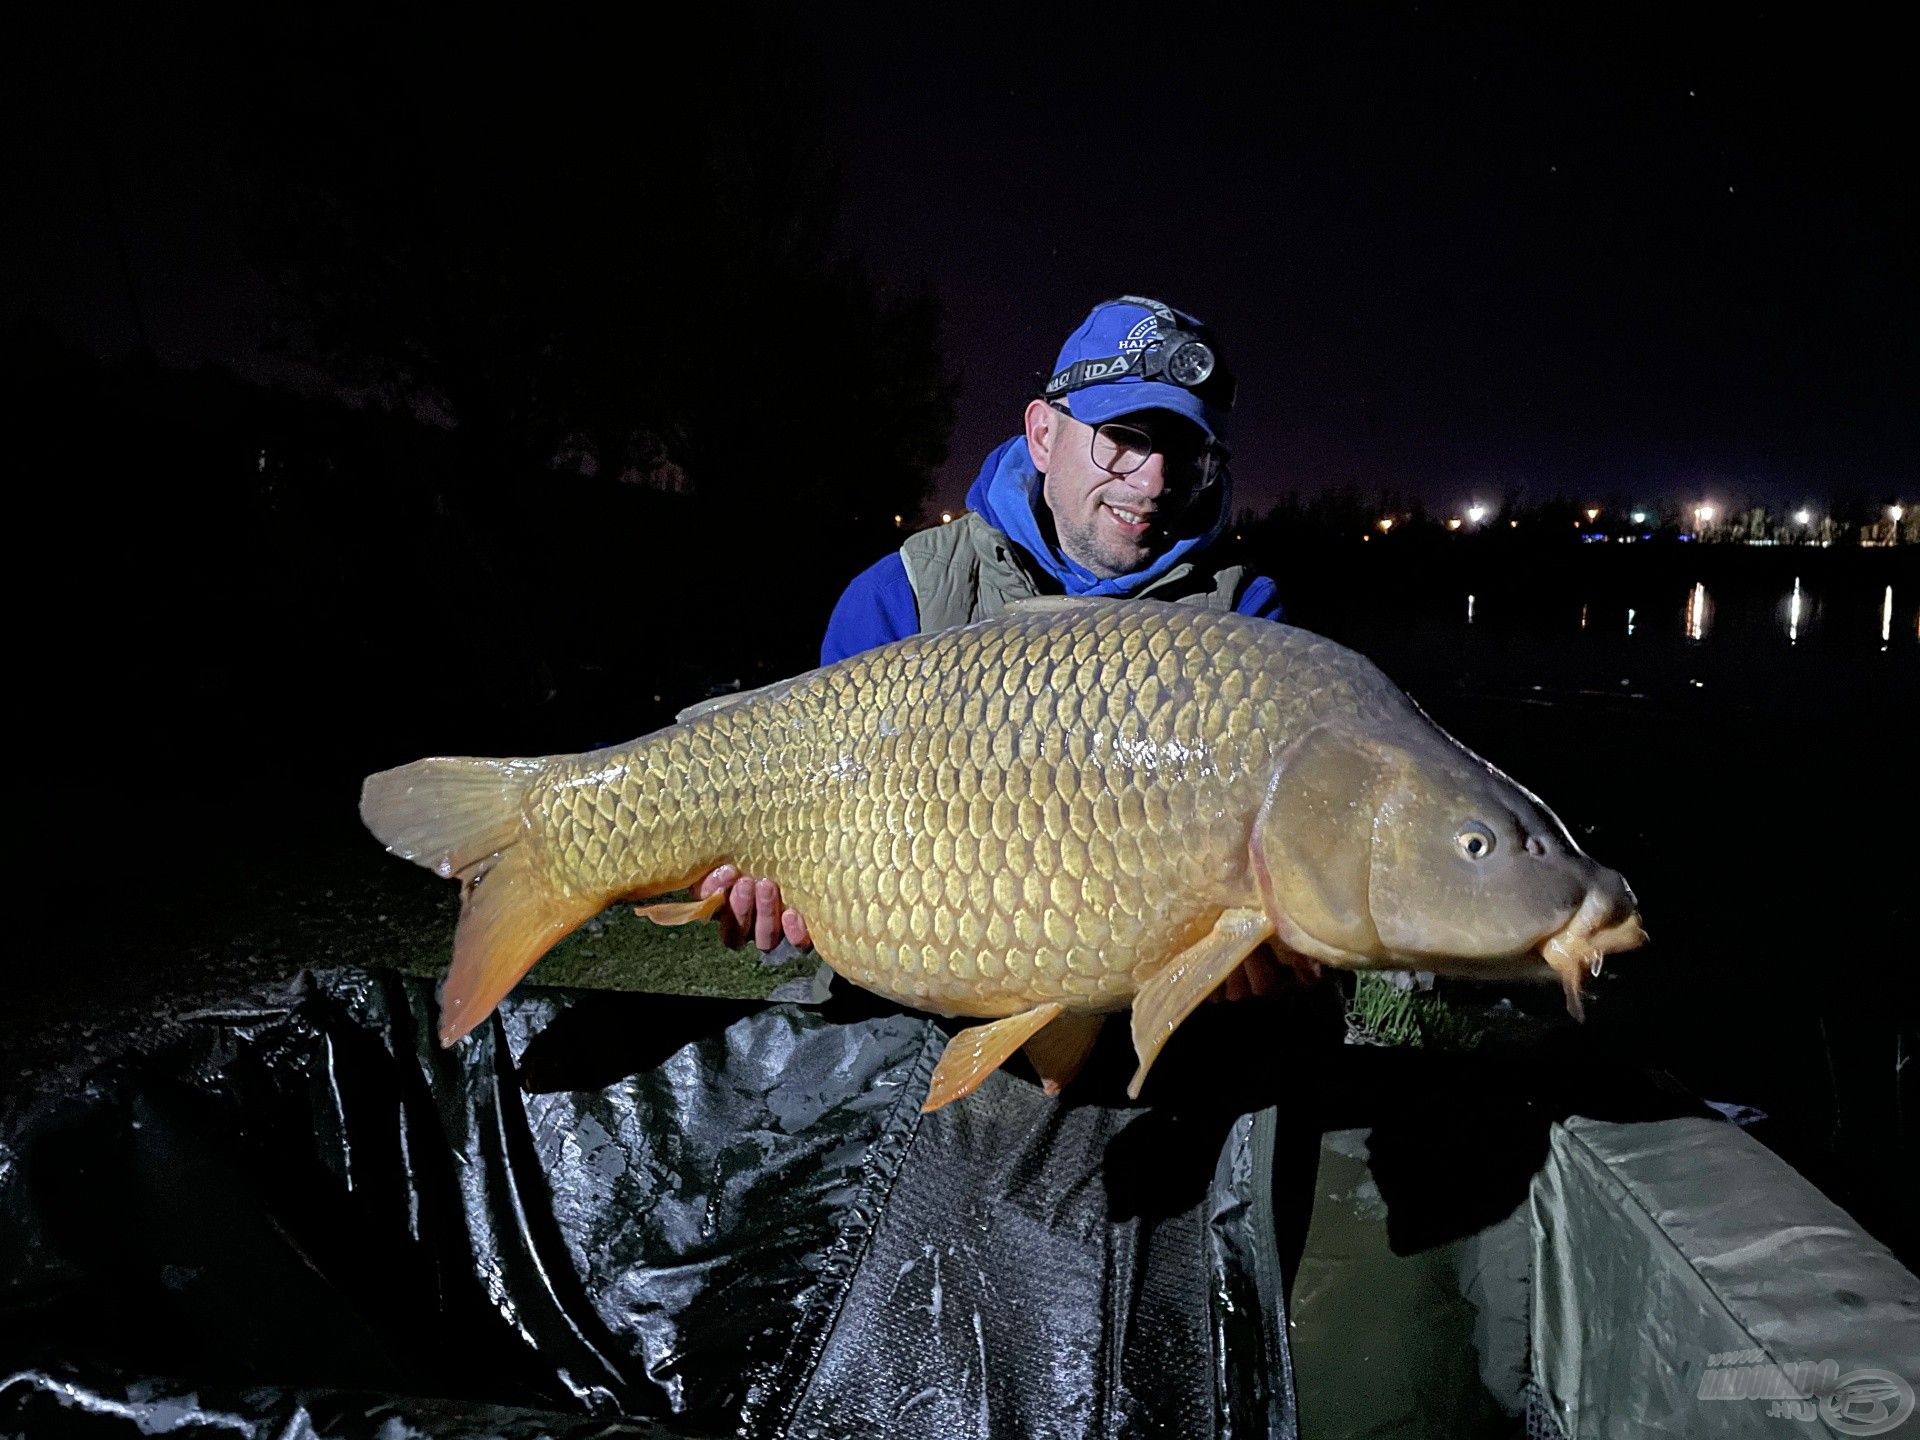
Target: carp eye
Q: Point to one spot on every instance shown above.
(1475, 841)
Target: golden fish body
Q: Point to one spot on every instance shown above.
(1053, 813)
(1042, 807)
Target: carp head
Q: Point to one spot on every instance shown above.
(1412, 853)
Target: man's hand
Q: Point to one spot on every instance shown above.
(1259, 974)
(753, 910)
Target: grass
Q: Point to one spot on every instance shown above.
(1381, 1013)
(409, 927)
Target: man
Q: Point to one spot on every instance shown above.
(1117, 486)
(1084, 1242)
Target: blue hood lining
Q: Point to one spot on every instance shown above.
(1007, 495)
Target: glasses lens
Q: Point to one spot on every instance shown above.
(1120, 449)
(1198, 471)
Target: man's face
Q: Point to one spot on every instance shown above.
(1113, 524)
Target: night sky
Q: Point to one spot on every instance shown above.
(1449, 250)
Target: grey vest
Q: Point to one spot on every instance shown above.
(969, 571)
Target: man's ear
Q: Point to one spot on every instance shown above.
(1043, 424)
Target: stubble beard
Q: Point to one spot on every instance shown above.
(1097, 554)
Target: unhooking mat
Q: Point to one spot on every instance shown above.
(622, 1215)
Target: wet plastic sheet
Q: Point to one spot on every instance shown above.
(621, 1215)
(45, 1403)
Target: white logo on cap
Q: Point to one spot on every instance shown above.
(1146, 333)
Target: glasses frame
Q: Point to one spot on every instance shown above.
(1209, 466)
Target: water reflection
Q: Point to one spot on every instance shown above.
(1809, 610)
(1699, 612)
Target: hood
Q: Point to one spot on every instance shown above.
(1006, 494)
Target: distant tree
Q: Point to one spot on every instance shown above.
(1747, 523)
(543, 239)
(1341, 512)
(1557, 521)
(597, 262)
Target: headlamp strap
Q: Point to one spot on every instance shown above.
(1196, 357)
(1161, 312)
(1092, 372)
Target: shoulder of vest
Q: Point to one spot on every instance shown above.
(969, 529)
(1216, 588)
(964, 571)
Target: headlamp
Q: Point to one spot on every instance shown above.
(1189, 364)
(1176, 357)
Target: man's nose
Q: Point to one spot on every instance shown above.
(1151, 478)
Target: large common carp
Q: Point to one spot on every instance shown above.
(1037, 820)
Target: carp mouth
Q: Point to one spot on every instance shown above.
(1603, 926)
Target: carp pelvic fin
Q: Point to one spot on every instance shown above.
(1058, 1051)
(683, 912)
(1177, 987)
(978, 1051)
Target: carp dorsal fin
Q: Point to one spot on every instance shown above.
(979, 1050)
(1041, 604)
(722, 702)
(740, 697)
(1177, 987)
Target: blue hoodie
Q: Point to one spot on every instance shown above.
(879, 607)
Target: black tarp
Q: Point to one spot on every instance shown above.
(296, 1215)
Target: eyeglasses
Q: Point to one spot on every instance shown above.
(1123, 449)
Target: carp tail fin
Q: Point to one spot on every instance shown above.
(510, 915)
(448, 813)
(466, 819)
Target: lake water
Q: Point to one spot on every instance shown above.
(1735, 729)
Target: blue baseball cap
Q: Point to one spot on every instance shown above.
(1134, 354)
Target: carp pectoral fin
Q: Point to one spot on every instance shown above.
(1058, 1052)
(683, 912)
(1187, 979)
(510, 915)
(979, 1050)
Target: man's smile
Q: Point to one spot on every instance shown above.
(1134, 524)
